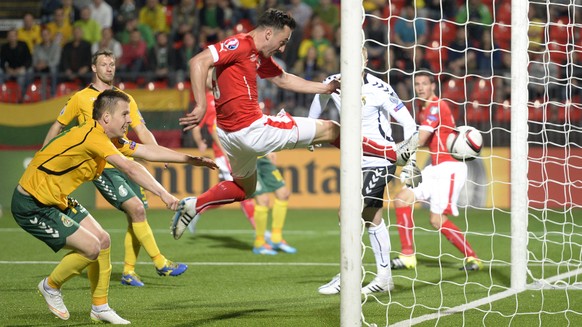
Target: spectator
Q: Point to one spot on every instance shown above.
(231, 15)
(440, 9)
(102, 13)
(376, 30)
(133, 24)
(47, 8)
(477, 17)
(184, 19)
(72, 14)
(488, 57)
(190, 47)
(247, 9)
(15, 62)
(458, 54)
(126, 11)
(301, 12)
(317, 40)
(76, 58)
(108, 42)
(329, 13)
(153, 15)
(133, 60)
(90, 27)
(46, 57)
(60, 27)
(29, 33)
(161, 60)
(307, 66)
(212, 21)
(408, 29)
(331, 63)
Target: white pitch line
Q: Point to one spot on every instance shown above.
(304, 264)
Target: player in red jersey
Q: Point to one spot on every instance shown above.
(442, 180)
(244, 131)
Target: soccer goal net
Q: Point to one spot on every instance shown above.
(513, 70)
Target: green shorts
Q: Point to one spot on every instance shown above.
(269, 178)
(49, 224)
(117, 188)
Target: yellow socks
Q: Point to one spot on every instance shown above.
(144, 234)
(132, 247)
(279, 215)
(261, 216)
(99, 274)
(70, 266)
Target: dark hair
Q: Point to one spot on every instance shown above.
(425, 73)
(102, 52)
(277, 19)
(106, 100)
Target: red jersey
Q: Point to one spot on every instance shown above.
(436, 117)
(237, 64)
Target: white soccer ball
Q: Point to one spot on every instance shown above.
(465, 143)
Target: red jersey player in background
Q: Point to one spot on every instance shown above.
(244, 131)
(442, 180)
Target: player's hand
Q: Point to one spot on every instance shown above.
(193, 118)
(171, 201)
(202, 161)
(334, 86)
(410, 175)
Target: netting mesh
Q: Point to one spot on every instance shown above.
(466, 46)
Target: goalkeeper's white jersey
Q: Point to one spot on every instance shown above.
(380, 105)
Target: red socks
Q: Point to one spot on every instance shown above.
(248, 208)
(372, 148)
(405, 226)
(456, 237)
(222, 193)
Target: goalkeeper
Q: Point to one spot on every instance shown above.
(380, 105)
(442, 182)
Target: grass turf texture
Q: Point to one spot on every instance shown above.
(227, 285)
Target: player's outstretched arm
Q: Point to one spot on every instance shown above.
(141, 176)
(295, 83)
(199, 69)
(158, 153)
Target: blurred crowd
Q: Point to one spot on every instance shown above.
(464, 43)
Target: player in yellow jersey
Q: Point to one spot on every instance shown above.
(42, 207)
(114, 185)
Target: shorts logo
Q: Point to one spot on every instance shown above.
(132, 145)
(67, 222)
(231, 44)
(122, 191)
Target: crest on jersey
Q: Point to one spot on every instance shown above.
(364, 100)
(231, 44)
(434, 110)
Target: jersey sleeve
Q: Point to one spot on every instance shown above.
(125, 146)
(134, 113)
(269, 68)
(395, 108)
(229, 50)
(100, 145)
(70, 111)
(319, 103)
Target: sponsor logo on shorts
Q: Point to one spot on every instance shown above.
(67, 222)
(122, 191)
(132, 145)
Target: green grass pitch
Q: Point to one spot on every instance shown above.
(227, 285)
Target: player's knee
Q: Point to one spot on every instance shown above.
(92, 249)
(437, 220)
(104, 240)
(135, 210)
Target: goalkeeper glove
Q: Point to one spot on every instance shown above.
(410, 174)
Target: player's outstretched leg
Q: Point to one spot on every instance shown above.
(185, 214)
(403, 261)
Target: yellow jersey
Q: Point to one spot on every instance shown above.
(80, 106)
(70, 159)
